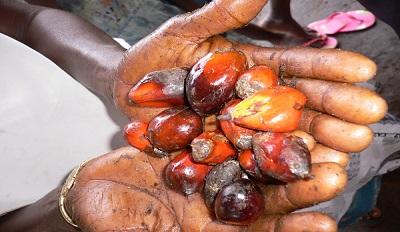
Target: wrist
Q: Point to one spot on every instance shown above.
(43, 215)
(103, 82)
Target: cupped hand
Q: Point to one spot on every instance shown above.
(124, 190)
(184, 39)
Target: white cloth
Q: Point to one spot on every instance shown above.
(49, 123)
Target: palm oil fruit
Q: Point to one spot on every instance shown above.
(228, 146)
(282, 156)
(239, 136)
(239, 203)
(135, 135)
(248, 163)
(184, 175)
(163, 88)
(255, 79)
(174, 128)
(219, 176)
(211, 81)
(276, 109)
(212, 147)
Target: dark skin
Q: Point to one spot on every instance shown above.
(108, 195)
(278, 26)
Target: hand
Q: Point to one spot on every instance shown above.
(124, 189)
(184, 39)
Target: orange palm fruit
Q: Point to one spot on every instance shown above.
(184, 175)
(173, 129)
(282, 156)
(255, 79)
(211, 81)
(276, 109)
(212, 147)
(163, 88)
(135, 135)
(239, 136)
(248, 163)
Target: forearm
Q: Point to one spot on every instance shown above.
(42, 216)
(79, 48)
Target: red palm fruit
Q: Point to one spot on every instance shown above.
(239, 136)
(211, 82)
(174, 128)
(135, 135)
(282, 156)
(248, 163)
(277, 109)
(219, 176)
(239, 203)
(255, 79)
(163, 88)
(212, 147)
(184, 175)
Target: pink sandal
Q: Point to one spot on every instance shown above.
(343, 22)
(339, 22)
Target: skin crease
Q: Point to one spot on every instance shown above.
(124, 189)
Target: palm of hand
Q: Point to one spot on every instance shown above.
(124, 190)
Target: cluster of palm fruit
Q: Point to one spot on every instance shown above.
(252, 141)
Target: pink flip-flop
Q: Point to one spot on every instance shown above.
(343, 22)
(363, 20)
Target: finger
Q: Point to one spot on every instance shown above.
(323, 154)
(174, 42)
(329, 180)
(325, 64)
(307, 138)
(177, 43)
(335, 133)
(215, 18)
(348, 102)
(295, 222)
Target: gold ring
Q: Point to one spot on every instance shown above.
(69, 183)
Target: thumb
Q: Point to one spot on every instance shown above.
(178, 43)
(215, 18)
